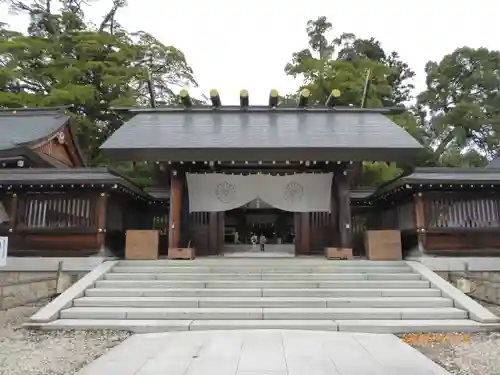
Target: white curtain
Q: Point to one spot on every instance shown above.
(213, 192)
(295, 193)
(304, 192)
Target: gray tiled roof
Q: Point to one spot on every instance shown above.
(495, 163)
(24, 127)
(265, 135)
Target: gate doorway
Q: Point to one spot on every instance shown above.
(258, 218)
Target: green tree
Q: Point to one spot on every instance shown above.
(462, 105)
(341, 63)
(65, 60)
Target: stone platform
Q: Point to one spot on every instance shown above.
(263, 352)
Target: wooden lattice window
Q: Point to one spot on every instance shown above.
(451, 212)
(58, 211)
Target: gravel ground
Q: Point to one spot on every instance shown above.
(48, 353)
(469, 354)
(65, 352)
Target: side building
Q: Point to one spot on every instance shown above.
(439, 211)
(51, 202)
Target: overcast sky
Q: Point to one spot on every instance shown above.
(235, 44)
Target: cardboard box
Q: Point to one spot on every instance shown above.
(141, 244)
(338, 253)
(181, 253)
(383, 245)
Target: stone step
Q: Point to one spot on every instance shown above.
(262, 313)
(254, 277)
(370, 326)
(192, 292)
(262, 302)
(263, 284)
(262, 270)
(248, 262)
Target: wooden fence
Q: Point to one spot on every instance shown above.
(451, 223)
(72, 223)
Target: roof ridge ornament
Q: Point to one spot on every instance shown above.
(333, 98)
(303, 98)
(215, 99)
(185, 98)
(244, 99)
(273, 98)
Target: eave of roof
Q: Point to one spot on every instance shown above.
(12, 179)
(260, 133)
(441, 178)
(259, 108)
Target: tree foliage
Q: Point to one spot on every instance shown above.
(63, 59)
(456, 118)
(341, 63)
(462, 104)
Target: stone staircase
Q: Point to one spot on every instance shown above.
(364, 296)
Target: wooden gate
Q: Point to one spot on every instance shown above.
(206, 232)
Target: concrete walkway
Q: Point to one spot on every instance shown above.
(265, 353)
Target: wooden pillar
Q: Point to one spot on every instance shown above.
(13, 210)
(213, 233)
(221, 229)
(174, 224)
(305, 232)
(334, 225)
(101, 209)
(420, 221)
(344, 210)
(297, 231)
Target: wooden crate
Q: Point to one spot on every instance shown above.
(181, 253)
(142, 244)
(338, 253)
(383, 245)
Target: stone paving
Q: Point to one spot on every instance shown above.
(264, 353)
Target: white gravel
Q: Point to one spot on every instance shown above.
(48, 353)
(477, 354)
